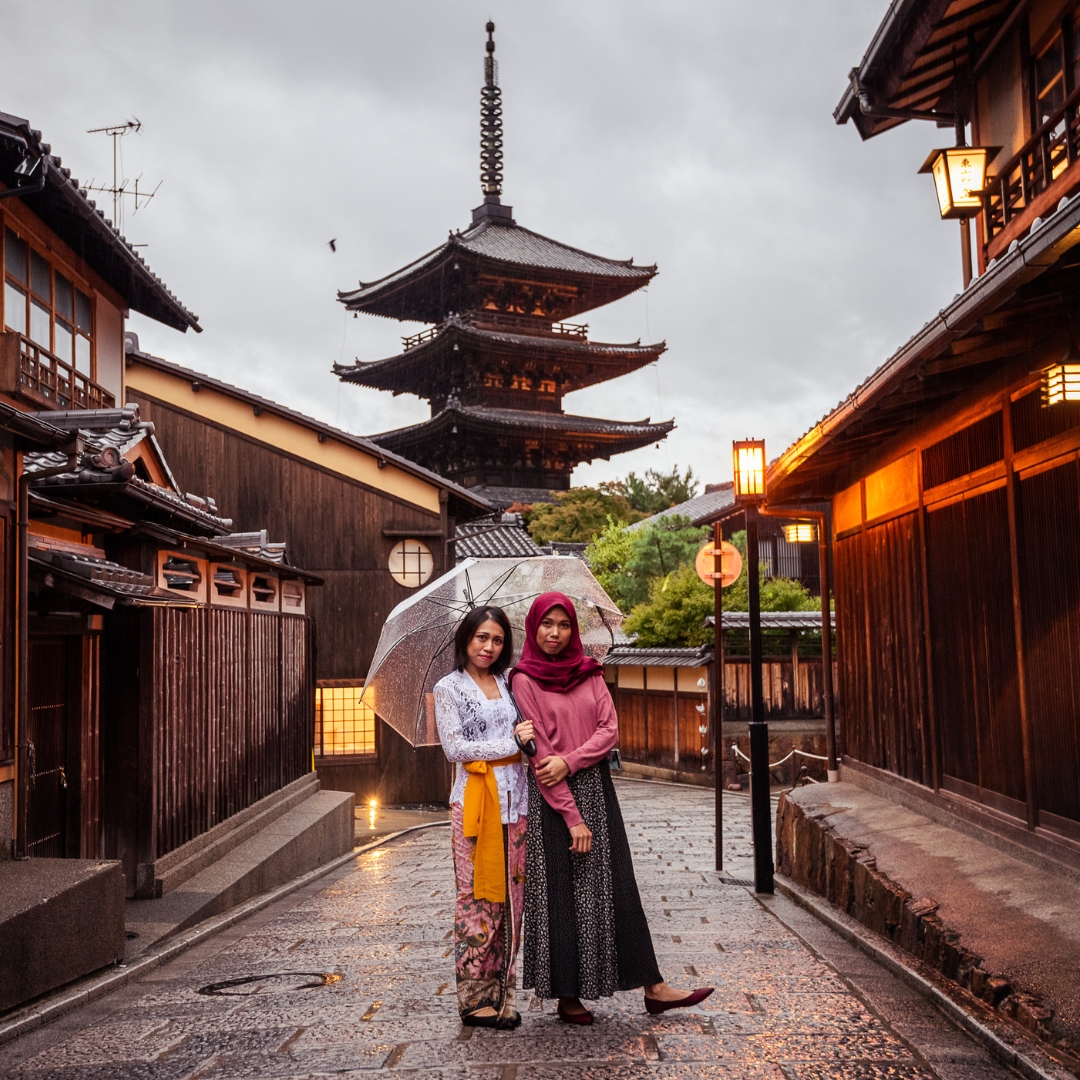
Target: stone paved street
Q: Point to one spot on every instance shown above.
(792, 1000)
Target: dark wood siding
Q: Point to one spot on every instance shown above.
(333, 526)
(222, 739)
(1050, 590)
(881, 675)
(975, 678)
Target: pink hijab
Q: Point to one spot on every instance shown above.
(568, 669)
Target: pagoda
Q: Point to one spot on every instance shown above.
(500, 355)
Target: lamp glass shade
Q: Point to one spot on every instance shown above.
(749, 466)
(802, 532)
(959, 177)
(1061, 383)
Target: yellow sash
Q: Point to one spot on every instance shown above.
(482, 818)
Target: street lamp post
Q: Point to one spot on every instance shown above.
(749, 463)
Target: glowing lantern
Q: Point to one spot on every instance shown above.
(959, 178)
(749, 463)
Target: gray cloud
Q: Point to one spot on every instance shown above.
(793, 257)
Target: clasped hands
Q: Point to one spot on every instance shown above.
(552, 769)
(549, 772)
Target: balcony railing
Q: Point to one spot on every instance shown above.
(1033, 168)
(528, 324)
(35, 374)
(418, 339)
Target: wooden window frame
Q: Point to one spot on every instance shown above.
(33, 244)
(343, 759)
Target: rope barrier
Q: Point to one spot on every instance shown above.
(788, 757)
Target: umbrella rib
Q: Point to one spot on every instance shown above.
(427, 672)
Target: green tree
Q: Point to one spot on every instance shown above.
(626, 561)
(578, 515)
(656, 491)
(677, 605)
(674, 613)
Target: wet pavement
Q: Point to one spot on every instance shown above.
(355, 974)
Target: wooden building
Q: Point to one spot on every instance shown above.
(68, 280)
(373, 526)
(954, 469)
(500, 357)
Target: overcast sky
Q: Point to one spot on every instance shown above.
(793, 257)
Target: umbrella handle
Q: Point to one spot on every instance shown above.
(527, 748)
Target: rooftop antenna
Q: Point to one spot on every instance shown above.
(119, 187)
(491, 153)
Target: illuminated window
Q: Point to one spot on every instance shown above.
(411, 563)
(547, 386)
(344, 725)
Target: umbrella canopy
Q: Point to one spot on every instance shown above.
(416, 646)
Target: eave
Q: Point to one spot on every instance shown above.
(65, 209)
(579, 362)
(991, 325)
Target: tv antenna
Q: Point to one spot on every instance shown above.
(120, 186)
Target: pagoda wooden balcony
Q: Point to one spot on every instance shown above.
(36, 375)
(1032, 182)
(498, 320)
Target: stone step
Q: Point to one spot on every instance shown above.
(308, 835)
(172, 869)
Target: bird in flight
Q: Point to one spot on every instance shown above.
(332, 244)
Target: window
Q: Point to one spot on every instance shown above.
(411, 563)
(344, 724)
(45, 305)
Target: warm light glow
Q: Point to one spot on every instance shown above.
(373, 803)
(1061, 383)
(802, 532)
(344, 724)
(749, 465)
(959, 177)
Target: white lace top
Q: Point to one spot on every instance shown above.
(474, 728)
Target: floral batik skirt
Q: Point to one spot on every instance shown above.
(486, 934)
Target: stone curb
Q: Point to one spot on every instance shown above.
(64, 1001)
(894, 961)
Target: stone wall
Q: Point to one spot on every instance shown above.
(812, 855)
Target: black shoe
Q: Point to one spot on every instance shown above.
(511, 1021)
(492, 1021)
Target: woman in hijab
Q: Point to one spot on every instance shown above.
(488, 804)
(585, 932)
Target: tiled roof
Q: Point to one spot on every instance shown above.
(488, 538)
(101, 576)
(701, 509)
(629, 656)
(514, 244)
(502, 497)
(65, 208)
(481, 416)
(563, 347)
(255, 543)
(773, 620)
(507, 243)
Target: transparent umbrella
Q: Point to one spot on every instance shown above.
(416, 646)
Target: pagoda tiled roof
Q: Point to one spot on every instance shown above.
(411, 370)
(500, 421)
(496, 244)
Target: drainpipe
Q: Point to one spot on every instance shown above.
(24, 747)
(826, 627)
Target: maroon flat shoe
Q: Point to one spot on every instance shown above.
(654, 1006)
(584, 1018)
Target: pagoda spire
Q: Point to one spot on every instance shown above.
(491, 153)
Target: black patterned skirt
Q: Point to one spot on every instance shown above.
(585, 932)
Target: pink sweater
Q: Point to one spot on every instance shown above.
(580, 726)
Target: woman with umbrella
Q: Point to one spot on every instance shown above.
(489, 802)
(585, 931)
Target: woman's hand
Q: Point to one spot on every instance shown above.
(551, 770)
(524, 731)
(580, 838)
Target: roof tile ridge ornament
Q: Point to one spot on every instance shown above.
(491, 142)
